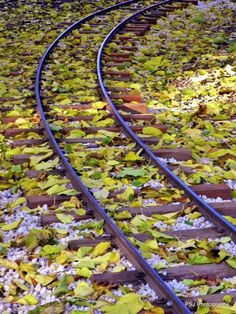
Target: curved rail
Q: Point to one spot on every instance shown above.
(152, 277)
(204, 208)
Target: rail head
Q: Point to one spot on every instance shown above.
(152, 277)
(204, 208)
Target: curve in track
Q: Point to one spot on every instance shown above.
(152, 277)
(204, 208)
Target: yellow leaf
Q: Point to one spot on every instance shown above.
(132, 156)
(136, 86)
(44, 280)
(150, 130)
(65, 101)
(128, 194)
(194, 215)
(8, 264)
(84, 272)
(192, 132)
(98, 105)
(28, 268)
(114, 257)
(28, 299)
(118, 268)
(61, 231)
(109, 182)
(101, 248)
(231, 219)
(113, 162)
(20, 121)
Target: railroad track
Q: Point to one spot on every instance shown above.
(84, 135)
(88, 147)
(37, 259)
(185, 161)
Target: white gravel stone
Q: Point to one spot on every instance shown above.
(156, 259)
(177, 286)
(146, 291)
(183, 223)
(229, 247)
(231, 184)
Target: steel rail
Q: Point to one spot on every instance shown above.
(208, 211)
(151, 276)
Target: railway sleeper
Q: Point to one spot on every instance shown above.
(224, 208)
(209, 190)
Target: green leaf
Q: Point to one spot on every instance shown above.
(3, 89)
(91, 225)
(133, 172)
(231, 262)
(36, 237)
(19, 201)
(92, 184)
(16, 168)
(203, 290)
(67, 219)
(49, 308)
(153, 64)
(125, 214)
(128, 194)
(101, 194)
(162, 237)
(55, 127)
(60, 189)
(221, 152)
(136, 86)
(107, 134)
(65, 101)
(187, 282)
(86, 262)
(130, 303)
(83, 290)
(51, 251)
(83, 251)
(13, 225)
(198, 259)
(62, 286)
(34, 160)
(231, 219)
(225, 239)
(51, 181)
(76, 133)
(203, 309)
(227, 298)
(47, 165)
(219, 40)
(199, 18)
(20, 285)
